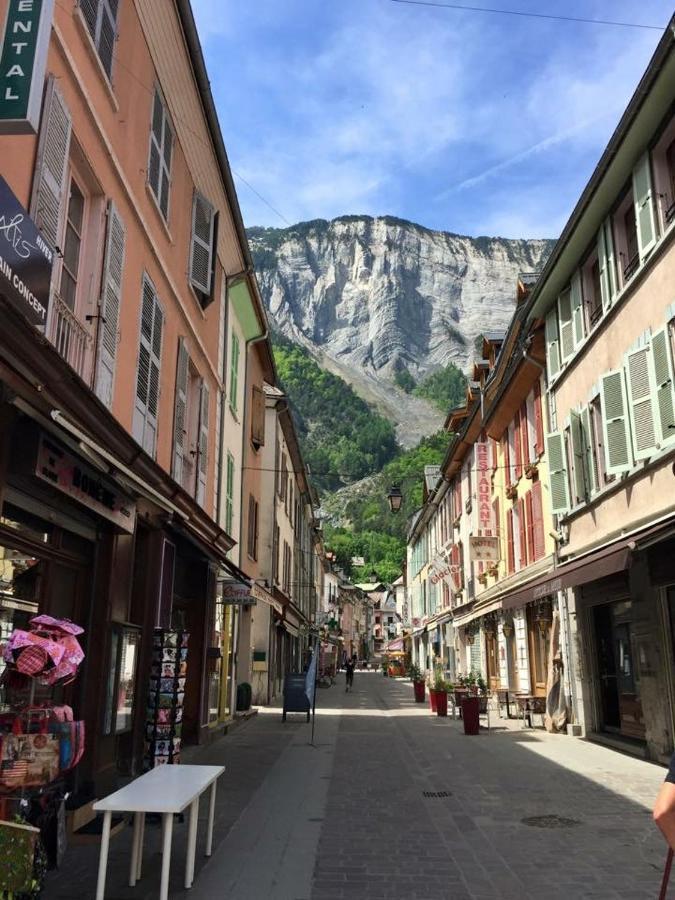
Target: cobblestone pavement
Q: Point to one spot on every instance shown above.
(392, 802)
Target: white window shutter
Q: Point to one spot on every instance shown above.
(566, 326)
(615, 424)
(664, 385)
(577, 301)
(51, 163)
(146, 401)
(552, 343)
(604, 270)
(579, 454)
(201, 247)
(203, 445)
(180, 409)
(557, 473)
(150, 441)
(644, 206)
(591, 468)
(611, 259)
(642, 402)
(109, 307)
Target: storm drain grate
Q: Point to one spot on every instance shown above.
(436, 794)
(550, 822)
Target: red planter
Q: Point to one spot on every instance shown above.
(441, 703)
(471, 715)
(419, 687)
(432, 699)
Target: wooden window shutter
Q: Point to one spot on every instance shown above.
(257, 417)
(179, 411)
(538, 419)
(497, 528)
(522, 529)
(538, 521)
(566, 324)
(606, 264)
(201, 244)
(642, 404)
(506, 458)
(51, 163)
(644, 206)
(518, 445)
(529, 514)
(579, 455)
(109, 307)
(664, 385)
(615, 425)
(589, 450)
(146, 402)
(250, 530)
(577, 303)
(557, 472)
(510, 555)
(552, 343)
(526, 451)
(203, 443)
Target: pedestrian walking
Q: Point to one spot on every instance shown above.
(349, 674)
(664, 816)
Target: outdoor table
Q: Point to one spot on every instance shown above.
(167, 790)
(530, 705)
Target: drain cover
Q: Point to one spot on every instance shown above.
(550, 822)
(436, 794)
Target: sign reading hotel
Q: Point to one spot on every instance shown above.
(484, 549)
(68, 474)
(25, 260)
(484, 487)
(23, 61)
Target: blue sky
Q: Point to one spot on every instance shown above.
(466, 122)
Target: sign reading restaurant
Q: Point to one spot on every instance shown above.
(23, 61)
(25, 260)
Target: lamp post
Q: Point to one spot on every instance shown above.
(395, 498)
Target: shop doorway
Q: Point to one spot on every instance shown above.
(619, 677)
(492, 661)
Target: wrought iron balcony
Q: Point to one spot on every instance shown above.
(631, 268)
(670, 213)
(70, 337)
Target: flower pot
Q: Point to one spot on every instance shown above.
(419, 688)
(441, 703)
(471, 714)
(432, 699)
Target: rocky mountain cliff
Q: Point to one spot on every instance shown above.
(372, 297)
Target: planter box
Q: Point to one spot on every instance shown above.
(419, 688)
(441, 703)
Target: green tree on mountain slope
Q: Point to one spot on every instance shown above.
(445, 388)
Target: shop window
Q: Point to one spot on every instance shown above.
(592, 290)
(121, 685)
(101, 19)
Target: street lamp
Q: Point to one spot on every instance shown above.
(395, 498)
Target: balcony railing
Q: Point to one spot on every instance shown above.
(70, 337)
(631, 267)
(670, 213)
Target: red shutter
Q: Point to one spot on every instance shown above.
(506, 461)
(538, 521)
(530, 527)
(495, 458)
(517, 444)
(524, 436)
(538, 420)
(496, 529)
(522, 528)
(510, 556)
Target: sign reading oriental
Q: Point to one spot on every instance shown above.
(23, 60)
(25, 260)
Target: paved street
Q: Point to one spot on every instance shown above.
(394, 803)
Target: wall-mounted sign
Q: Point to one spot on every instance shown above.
(259, 593)
(23, 61)
(484, 549)
(440, 570)
(236, 593)
(484, 486)
(68, 474)
(25, 260)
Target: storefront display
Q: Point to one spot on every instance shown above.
(164, 721)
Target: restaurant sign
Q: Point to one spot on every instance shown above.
(68, 474)
(25, 260)
(236, 593)
(23, 61)
(484, 486)
(484, 549)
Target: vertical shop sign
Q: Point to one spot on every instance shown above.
(484, 487)
(23, 61)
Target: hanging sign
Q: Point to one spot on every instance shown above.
(484, 549)
(259, 593)
(236, 593)
(484, 486)
(23, 61)
(440, 570)
(25, 260)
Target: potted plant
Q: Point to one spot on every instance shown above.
(385, 667)
(512, 491)
(482, 688)
(531, 470)
(418, 683)
(440, 689)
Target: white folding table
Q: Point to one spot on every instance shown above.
(166, 790)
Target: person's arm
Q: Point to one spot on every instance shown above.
(664, 812)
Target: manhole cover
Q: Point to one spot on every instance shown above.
(436, 794)
(550, 822)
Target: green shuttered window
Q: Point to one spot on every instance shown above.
(616, 427)
(555, 452)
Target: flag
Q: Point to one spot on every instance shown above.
(310, 677)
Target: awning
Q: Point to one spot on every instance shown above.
(395, 645)
(291, 629)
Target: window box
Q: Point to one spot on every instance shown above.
(531, 471)
(512, 491)
(493, 570)
(483, 577)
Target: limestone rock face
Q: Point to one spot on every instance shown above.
(371, 296)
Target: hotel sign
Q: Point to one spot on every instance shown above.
(25, 260)
(484, 549)
(23, 60)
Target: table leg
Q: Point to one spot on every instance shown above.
(141, 837)
(212, 813)
(192, 843)
(133, 870)
(103, 857)
(167, 832)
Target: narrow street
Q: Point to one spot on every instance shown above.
(394, 803)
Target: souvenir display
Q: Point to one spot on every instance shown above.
(163, 725)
